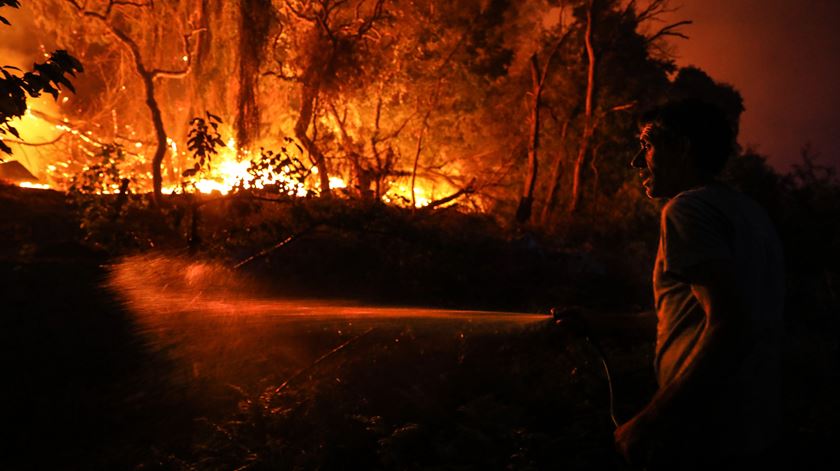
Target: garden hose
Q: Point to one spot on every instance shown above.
(560, 315)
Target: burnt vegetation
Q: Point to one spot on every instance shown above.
(451, 154)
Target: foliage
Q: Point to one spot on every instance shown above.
(112, 218)
(431, 410)
(47, 77)
(103, 176)
(281, 171)
(97, 213)
(811, 233)
(8, 3)
(804, 206)
(203, 140)
(277, 172)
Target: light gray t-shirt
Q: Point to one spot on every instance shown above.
(712, 223)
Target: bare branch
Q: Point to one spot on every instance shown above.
(396, 132)
(113, 3)
(279, 62)
(629, 8)
(329, 8)
(298, 12)
(74, 129)
(36, 144)
(189, 52)
(377, 15)
(345, 137)
(82, 8)
(653, 10)
(552, 53)
(669, 30)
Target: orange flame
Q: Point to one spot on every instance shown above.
(229, 169)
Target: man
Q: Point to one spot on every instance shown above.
(718, 289)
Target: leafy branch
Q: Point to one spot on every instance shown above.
(8, 3)
(203, 140)
(15, 88)
(282, 171)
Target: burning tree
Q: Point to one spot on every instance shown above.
(415, 103)
(372, 79)
(329, 36)
(124, 27)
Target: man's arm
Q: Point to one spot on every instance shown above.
(715, 357)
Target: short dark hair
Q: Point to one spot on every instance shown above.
(706, 127)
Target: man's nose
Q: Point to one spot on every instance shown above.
(639, 160)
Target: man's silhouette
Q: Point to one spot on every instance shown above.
(718, 288)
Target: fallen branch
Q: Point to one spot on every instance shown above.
(467, 190)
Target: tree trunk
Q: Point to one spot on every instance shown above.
(361, 175)
(538, 77)
(160, 136)
(309, 93)
(523, 212)
(588, 128)
(556, 174)
(148, 78)
(379, 173)
(254, 23)
(418, 149)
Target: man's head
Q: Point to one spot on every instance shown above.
(683, 144)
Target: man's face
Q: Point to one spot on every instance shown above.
(661, 163)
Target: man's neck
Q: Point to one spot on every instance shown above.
(692, 182)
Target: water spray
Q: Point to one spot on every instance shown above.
(156, 286)
(288, 240)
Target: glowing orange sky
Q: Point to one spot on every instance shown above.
(784, 58)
